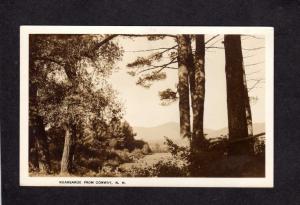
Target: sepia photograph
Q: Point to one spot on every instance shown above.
(146, 106)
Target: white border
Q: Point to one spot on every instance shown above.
(26, 180)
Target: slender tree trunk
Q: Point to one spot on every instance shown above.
(197, 88)
(65, 160)
(237, 123)
(198, 94)
(72, 148)
(71, 156)
(66, 164)
(183, 85)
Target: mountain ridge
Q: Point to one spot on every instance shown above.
(155, 135)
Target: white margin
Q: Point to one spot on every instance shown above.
(26, 180)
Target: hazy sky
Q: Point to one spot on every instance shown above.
(143, 106)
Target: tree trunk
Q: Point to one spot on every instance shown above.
(64, 165)
(198, 94)
(237, 123)
(183, 85)
(72, 149)
(68, 151)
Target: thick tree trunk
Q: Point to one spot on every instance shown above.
(183, 85)
(237, 123)
(198, 94)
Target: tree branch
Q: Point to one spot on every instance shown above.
(252, 49)
(98, 45)
(212, 38)
(253, 72)
(159, 66)
(254, 64)
(147, 35)
(155, 49)
(249, 56)
(252, 36)
(216, 47)
(255, 84)
(167, 49)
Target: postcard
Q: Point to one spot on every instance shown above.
(136, 106)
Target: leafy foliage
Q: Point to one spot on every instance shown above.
(140, 62)
(69, 74)
(147, 79)
(160, 169)
(155, 37)
(150, 64)
(168, 96)
(213, 161)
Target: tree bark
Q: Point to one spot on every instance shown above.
(72, 148)
(198, 94)
(237, 122)
(65, 160)
(183, 85)
(66, 165)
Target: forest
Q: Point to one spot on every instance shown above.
(76, 118)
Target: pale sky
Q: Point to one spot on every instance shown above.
(142, 106)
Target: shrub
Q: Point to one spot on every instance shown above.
(136, 154)
(213, 160)
(146, 149)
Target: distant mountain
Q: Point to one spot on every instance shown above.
(155, 135)
(257, 128)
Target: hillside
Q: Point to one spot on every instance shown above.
(257, 128)
(155, 135)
